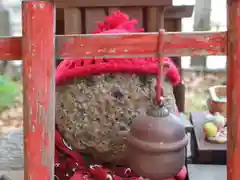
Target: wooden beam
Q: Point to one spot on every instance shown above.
(38, 89)
(10, 48)
(111, 3)
(127, 45)
(233, 90)
(178, 12)
(140, 45)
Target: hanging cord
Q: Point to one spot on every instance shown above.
(160, 75)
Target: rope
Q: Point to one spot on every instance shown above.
(160, 74)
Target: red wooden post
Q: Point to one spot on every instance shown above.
(39, 89)
(233, 90)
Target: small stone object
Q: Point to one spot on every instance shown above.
(215, 128)
(210, 129)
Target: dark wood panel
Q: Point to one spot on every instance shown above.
(172, 12)
(60, 27)
(151, 19)
(179, 93)
(92, 16)
(112, 9)
(111, 3)
(177, 12)
(134, 13)
(170, 25)
(72, 21)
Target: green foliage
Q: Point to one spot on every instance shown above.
(9, 90)
(197, 102)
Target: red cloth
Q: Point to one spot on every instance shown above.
(69, 164)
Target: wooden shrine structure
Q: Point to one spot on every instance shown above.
(39, 47)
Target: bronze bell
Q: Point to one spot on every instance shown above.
(156, 145)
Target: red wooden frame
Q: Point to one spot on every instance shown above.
(36, 49)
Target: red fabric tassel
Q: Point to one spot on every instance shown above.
(69, 165)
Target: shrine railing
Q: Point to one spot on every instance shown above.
(127, 45)
(37, 50)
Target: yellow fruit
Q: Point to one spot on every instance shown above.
(210, 129)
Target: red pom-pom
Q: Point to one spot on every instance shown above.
(119, 22)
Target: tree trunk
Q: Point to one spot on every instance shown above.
(201, 23)
(4, 31)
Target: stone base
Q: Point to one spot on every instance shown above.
(11, 151)
(12, 175)
(207, 172)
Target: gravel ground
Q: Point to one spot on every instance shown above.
(207, 172)
(11, 151)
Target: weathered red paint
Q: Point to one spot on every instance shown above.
(10, 48)
(233, 90)
(130, 45)
(39, 92)
(36, 48)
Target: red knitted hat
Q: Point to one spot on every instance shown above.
(116, 23)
